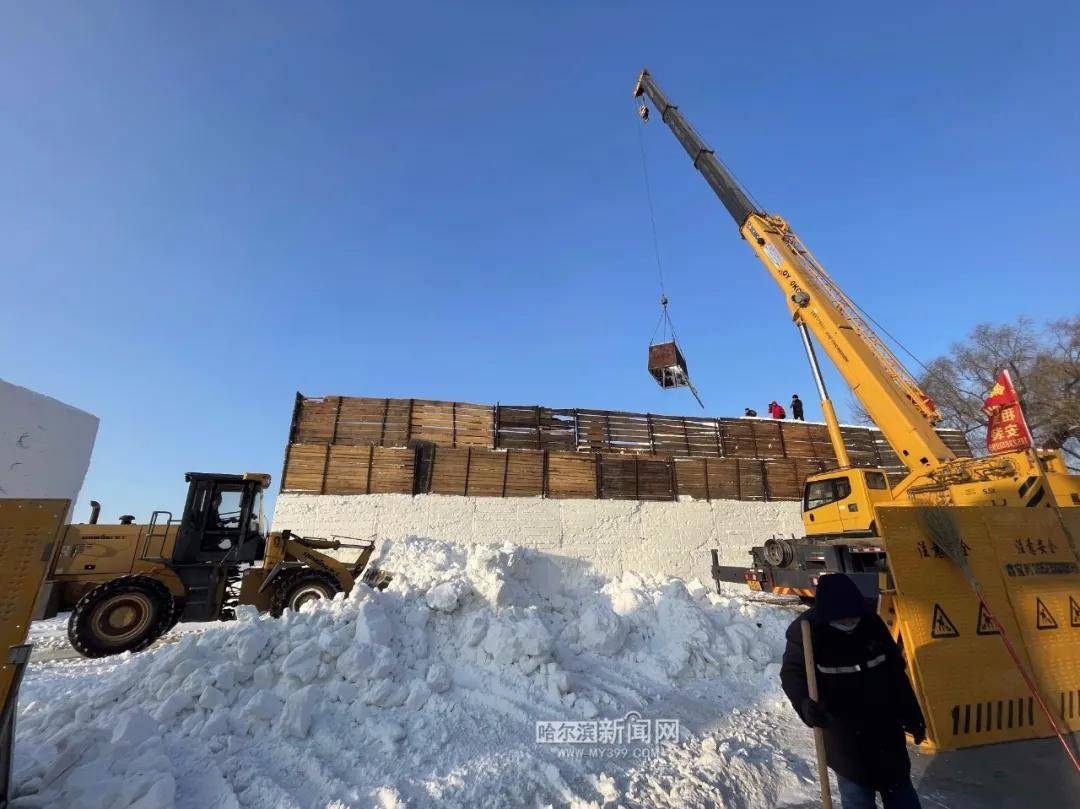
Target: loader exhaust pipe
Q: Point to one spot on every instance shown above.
(95, 510)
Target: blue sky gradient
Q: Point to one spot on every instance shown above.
(209, 206)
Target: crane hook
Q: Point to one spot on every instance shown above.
(643, 112)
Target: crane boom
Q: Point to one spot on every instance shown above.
(888, 392)
(735, 199)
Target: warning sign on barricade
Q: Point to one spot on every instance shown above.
(967, 682)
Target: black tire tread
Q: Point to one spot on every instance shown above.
(292, 579)
(165, 621)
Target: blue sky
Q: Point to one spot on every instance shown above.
(209, 206)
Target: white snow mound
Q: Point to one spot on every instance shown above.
(428, 694)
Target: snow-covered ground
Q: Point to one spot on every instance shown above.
(451, 688)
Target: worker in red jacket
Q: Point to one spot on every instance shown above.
(776, 410)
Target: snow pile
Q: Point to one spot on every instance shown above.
(428, 694)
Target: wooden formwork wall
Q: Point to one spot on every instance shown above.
(358, 445)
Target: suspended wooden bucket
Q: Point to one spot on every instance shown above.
(668, 366)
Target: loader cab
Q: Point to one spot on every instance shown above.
(841, 502)
(223, 519)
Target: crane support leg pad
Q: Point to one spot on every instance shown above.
(970, 689)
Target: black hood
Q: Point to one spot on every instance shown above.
(837, 597)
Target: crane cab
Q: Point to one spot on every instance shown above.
(840, 503)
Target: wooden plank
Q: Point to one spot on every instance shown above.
(570, 475)
(304, 472)
(691, 475)
(392, 470)
(486, 472)
(783, 481)
(347, 470)
(316, 421)
(618, 477)
(655, 478)
(723, 478)
(751, 479)
(525, 473)
(449, 474)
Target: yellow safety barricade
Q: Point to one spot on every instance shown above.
(966, 681)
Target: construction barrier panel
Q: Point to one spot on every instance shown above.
(358, 445)
(1027, 568)
(29, 542)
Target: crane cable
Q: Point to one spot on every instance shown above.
(665, 317)
(929, 371)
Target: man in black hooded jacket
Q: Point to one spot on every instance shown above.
(865, 700)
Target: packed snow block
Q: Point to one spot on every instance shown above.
(336, 515)
(530, 522)
(674, 534)
(606, 532)
(742, 525)
(45, 445)
(401, 515)
(610, 536)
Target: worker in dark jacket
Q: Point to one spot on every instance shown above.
(796, 407)
(865, 700)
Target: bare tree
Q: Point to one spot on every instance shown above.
(1045, 368)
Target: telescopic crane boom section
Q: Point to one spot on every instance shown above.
(888, 392)
(715, 173)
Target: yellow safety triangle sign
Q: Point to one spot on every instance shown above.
(942, 627)
(985, 626)
(1043, 618)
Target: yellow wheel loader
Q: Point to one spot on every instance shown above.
(126, 585)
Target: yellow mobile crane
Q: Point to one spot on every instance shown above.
(957, 552)
(841, 503)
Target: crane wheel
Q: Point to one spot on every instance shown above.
(303, 587)
(123, 615)
(778, 552)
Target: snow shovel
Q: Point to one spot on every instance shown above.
(819, 734)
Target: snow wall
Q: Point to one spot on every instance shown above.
(45, 445)
(611, 536)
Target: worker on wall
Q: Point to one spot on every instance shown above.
(748, 413)
(866, 701)
(776, 410)
(796, 407)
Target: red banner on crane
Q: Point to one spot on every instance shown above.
(1006, 428)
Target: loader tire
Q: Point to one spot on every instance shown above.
(123, 615)
(303, 587)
